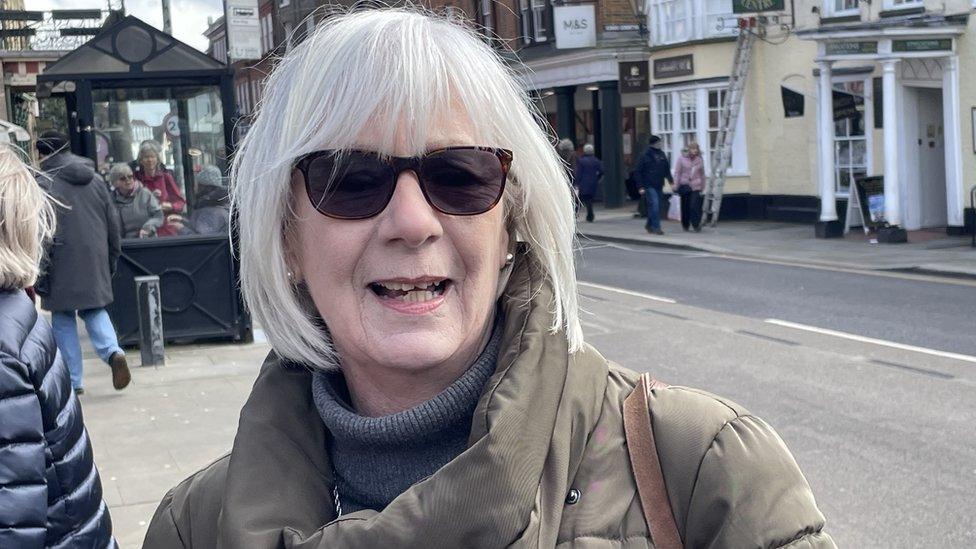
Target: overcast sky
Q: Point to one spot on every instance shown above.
(189, 17)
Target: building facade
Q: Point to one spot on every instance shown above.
(892, 93)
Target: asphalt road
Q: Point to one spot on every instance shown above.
(883, 427)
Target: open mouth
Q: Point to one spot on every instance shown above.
(413, 292)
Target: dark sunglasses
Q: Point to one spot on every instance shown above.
(358, 184)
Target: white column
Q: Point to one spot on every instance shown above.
(825, 134)
(951, 113)
(892, 189)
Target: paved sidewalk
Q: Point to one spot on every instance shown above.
(931, 252)
(170, 422)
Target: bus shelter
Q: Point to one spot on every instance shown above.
(133, 93)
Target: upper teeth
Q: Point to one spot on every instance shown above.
(403, 287)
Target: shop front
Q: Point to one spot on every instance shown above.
(135, 97)
(889, 105)
(598, 96)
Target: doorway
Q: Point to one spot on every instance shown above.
(925, 177)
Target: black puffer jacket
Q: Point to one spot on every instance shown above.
(50, 493)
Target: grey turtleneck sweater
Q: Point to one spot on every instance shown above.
(377, 458)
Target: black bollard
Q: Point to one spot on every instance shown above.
(150, 303)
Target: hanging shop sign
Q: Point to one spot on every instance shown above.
(757, 6)
(670, 67)
(634, 77)
(575, 26)
(941, 44)
(851, 48)
(243, 30)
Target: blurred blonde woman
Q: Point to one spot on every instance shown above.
(52, 495)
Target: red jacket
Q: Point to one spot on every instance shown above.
(169, 191)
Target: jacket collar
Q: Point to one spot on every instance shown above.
(279, 480)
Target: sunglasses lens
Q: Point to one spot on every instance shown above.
(463, 181)
(355, 185)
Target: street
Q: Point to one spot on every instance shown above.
(882, 429)
(883, 434)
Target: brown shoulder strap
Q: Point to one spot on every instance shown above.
(647, 466)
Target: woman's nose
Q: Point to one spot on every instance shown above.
(409, 218)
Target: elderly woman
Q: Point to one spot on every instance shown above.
(162, 185)
(51, 494)
(689, 182)
(406, 237)
(140, 215)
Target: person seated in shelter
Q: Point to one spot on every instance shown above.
(162, 185)
(140, 214)
(211, 214)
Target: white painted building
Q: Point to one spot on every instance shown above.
(906, 67)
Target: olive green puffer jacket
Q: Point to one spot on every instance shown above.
(549, 423)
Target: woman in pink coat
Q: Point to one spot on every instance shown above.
(689, 182)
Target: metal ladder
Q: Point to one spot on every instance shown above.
(731, 105)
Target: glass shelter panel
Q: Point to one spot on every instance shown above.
(162, 152)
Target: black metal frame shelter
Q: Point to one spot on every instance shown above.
(198, 274)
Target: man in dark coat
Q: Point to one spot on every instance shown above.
(589, 170)
(651, 171)
(82, 258)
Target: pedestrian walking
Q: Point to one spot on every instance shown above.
(50, 491)
(689, 182)
(412, 263)
(81, 259)
(139, 212)
(589, 171)
(567, 152)
(651, 171)
(160, 182)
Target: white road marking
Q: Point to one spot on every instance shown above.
(627, 292)
(882, 342)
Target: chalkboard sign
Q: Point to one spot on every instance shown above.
(870, 198)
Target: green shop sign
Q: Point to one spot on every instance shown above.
(941, 44)
(851, 48)
(757, 6)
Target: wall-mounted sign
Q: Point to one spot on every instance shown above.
(851, 48)
(243, 30)
(575, 26)
(669, 67)
(941, 44)
(757, 6)
(629, 27)
(634, 77)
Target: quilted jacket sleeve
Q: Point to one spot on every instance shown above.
(50, 492)
(731, 480)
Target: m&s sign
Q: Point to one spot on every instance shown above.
(575, 26)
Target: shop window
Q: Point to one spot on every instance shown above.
(664, 121)
(836, 8)
(172, 140)
(850, 138)
(675, 21)
(696, 118)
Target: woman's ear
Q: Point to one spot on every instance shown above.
(291, 236)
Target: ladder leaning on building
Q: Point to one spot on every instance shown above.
(731, 105)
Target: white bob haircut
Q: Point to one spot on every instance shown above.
(27, 222)
(403, 68)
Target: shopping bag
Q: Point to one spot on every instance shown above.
(674, 208)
